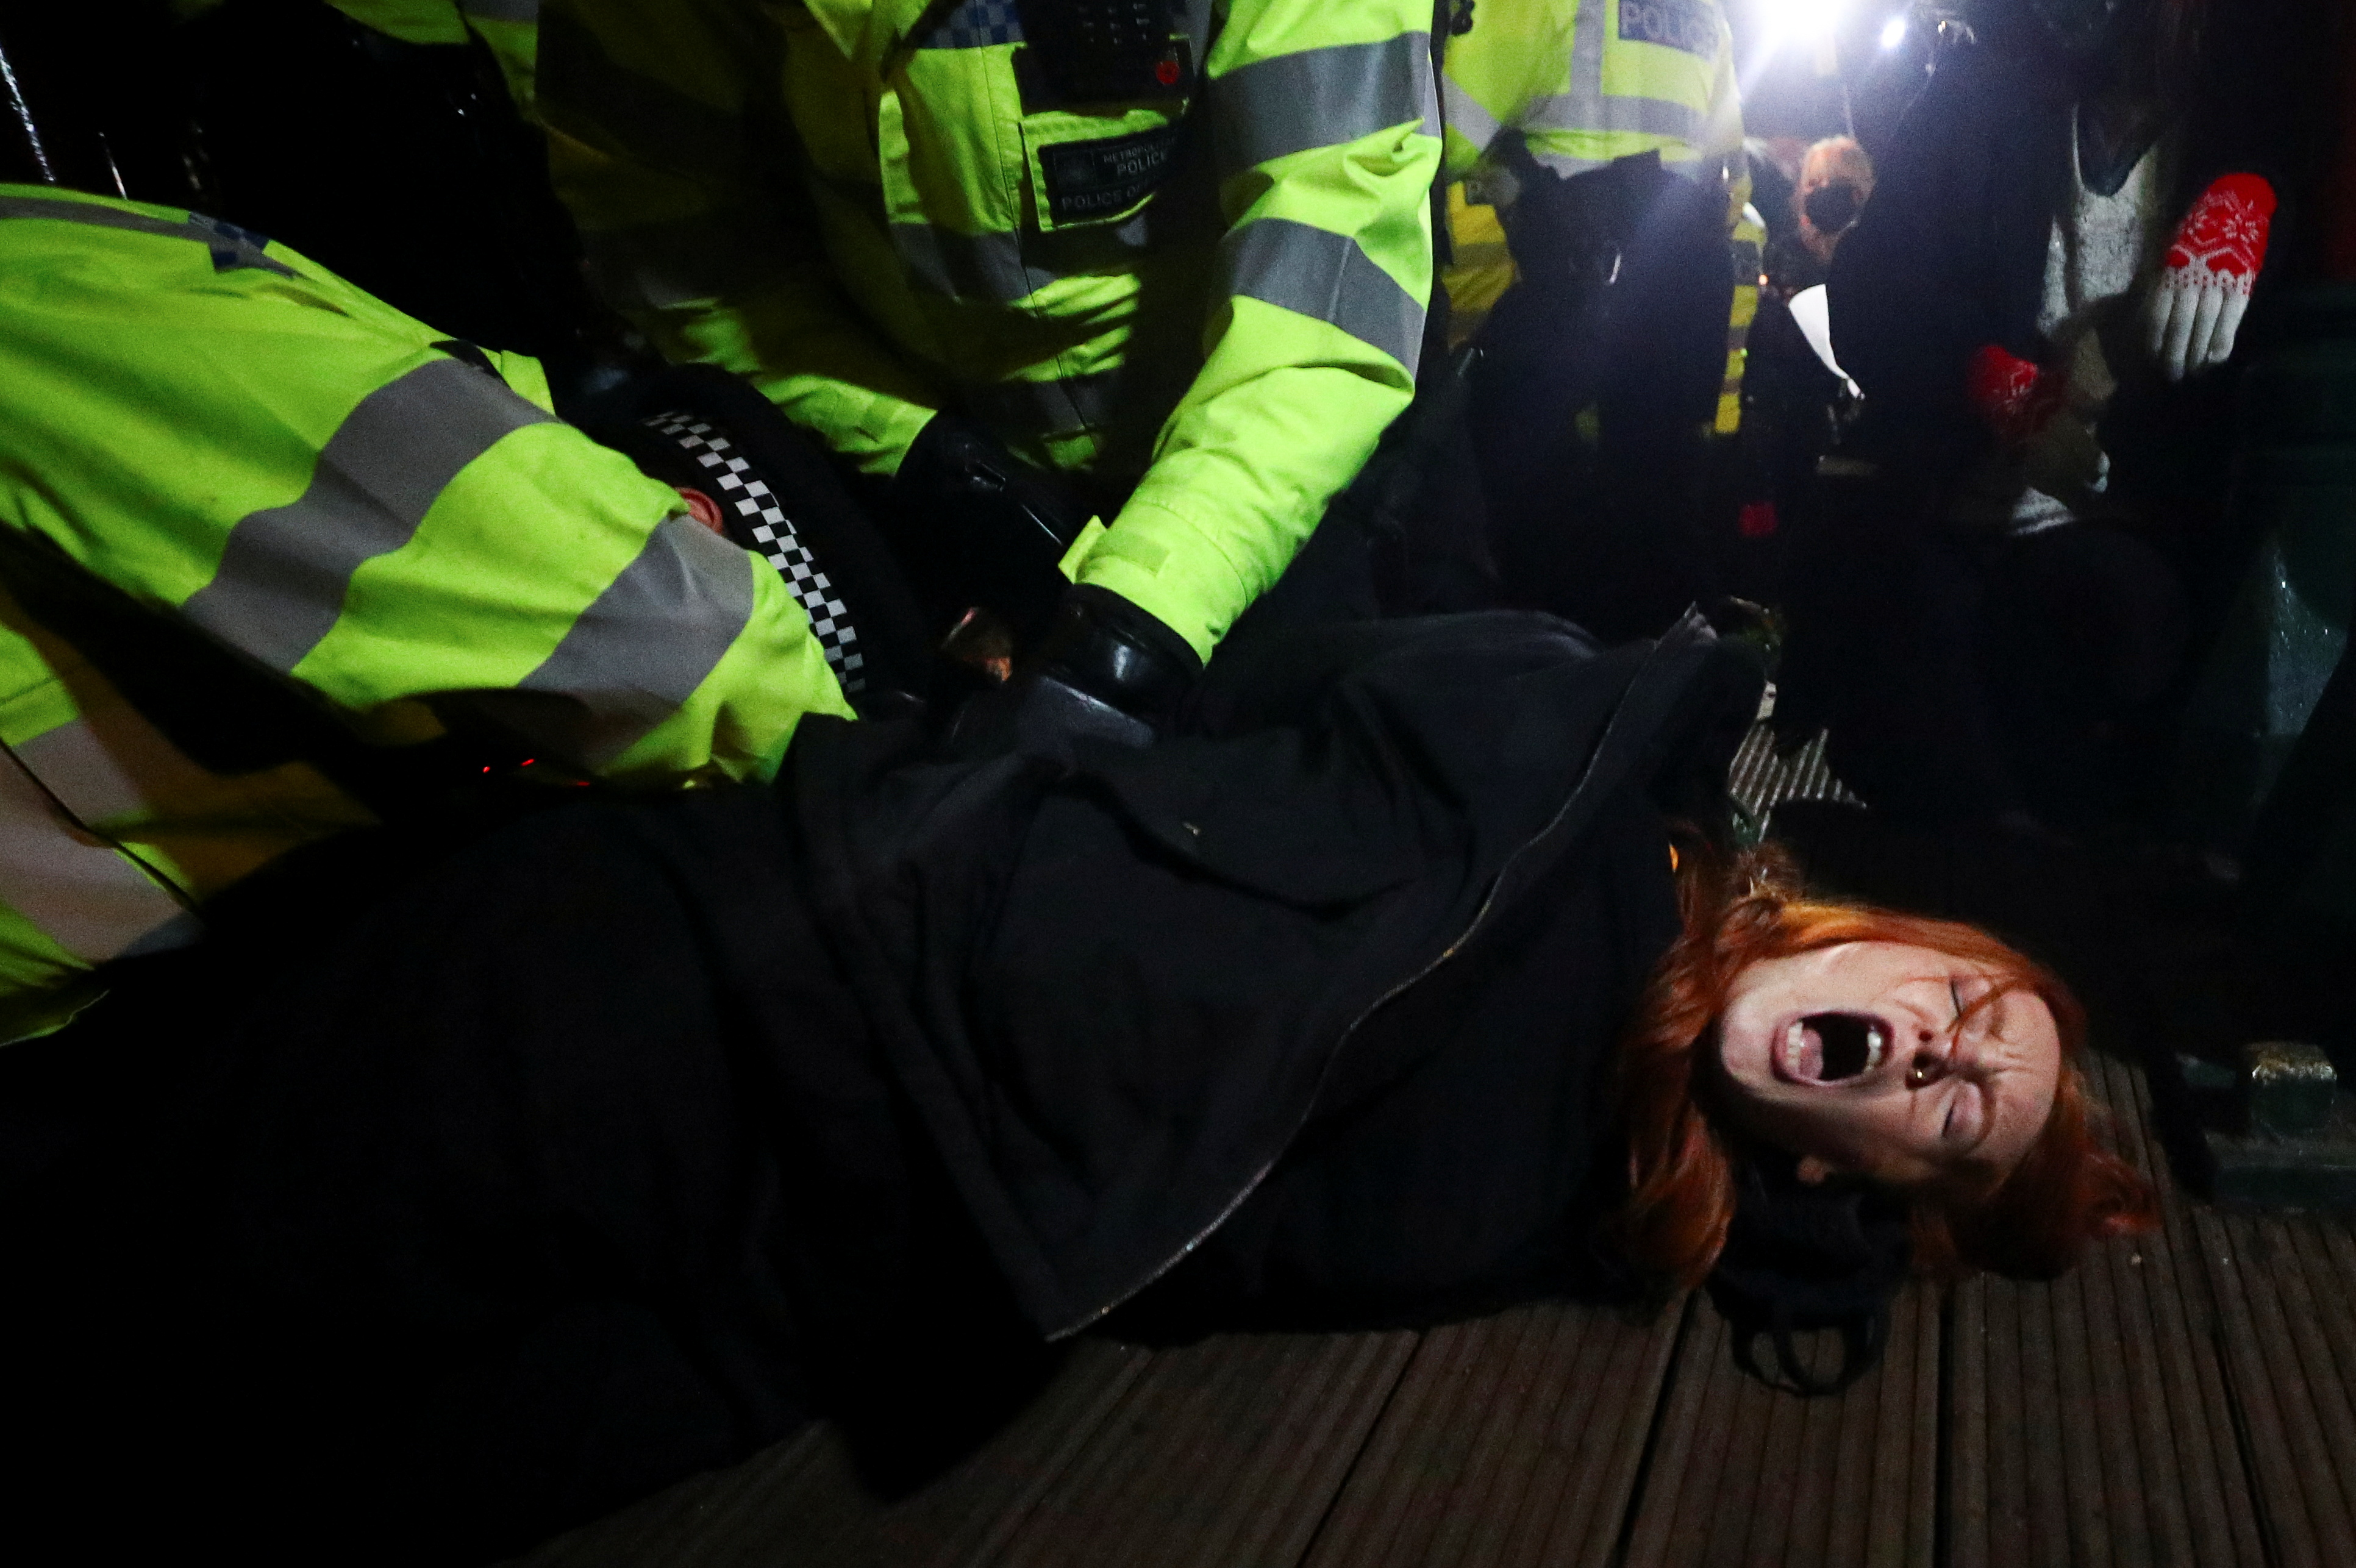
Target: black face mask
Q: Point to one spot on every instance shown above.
(1833, 208)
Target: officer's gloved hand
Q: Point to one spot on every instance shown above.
(1105, 669)
(997, 526)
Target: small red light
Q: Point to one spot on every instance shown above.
(1165, 71)
(1757, 520)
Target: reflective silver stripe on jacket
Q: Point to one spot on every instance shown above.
(1585, 106)
(1006, 268)
(284, 572)
(643, 646)
(1649, 116)
(78, 890)
(1466, 116)
(99, 779)
(231, 246)
(1322, 98)
(583, 93)
(966, 266)
(1319, 274)
(502, 10)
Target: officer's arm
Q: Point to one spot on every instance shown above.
(235, 438)
(1321, 119)
(1721, 135)
(449, 548)
(690, 233)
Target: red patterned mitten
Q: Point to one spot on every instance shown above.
(2012, 394)
(2027, 405)
(2196, 307)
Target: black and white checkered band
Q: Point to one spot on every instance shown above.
(780, 545)
(974, 24)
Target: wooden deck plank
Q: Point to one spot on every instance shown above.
(2152, 1500)
(2225, 1424)
(1659, 1532)
(2312, 1235)
(1743, 1405)
(2009, 1459)
(965, 1516)
(804, 1484)
(1227, 1452)
(1378, 1520)
(2289, 1531)
(1292, 1485)
(2227, 1520)
(2185, 1507)
(2325, 1337)
(1912, 1330)
(2305, 1388)
(1928, 1412)
(1589, 1526)
(1809, 1533)
(1506, 1446)
(1967, 1428)
(2043, 1416)
(2081, 1425)
(1453, 1474)
(1581, 1459)
(1855, 1436)
(1784, 1459)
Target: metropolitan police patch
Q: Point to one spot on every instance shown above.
(1687, 25)
(1100, 178)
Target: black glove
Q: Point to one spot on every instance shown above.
(1102, 645)
(1105, 668)
(989, 528)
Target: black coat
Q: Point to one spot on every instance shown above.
(1196, 949)
(613, 1145)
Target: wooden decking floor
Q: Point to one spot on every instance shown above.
(2182, 1398)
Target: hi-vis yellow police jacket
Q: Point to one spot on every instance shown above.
(881, 209)
(1586, 82)
(1583, 83)
(213, 431)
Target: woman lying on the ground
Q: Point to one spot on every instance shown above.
(1393, 986)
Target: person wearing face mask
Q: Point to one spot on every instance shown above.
(1835, 181)
(1398, 981)
(2041, 303)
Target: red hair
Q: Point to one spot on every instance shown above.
(2066, 1191)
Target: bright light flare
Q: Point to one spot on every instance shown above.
(1803, 19)
(1893, 32)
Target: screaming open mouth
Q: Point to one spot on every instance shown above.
(1825, 1048)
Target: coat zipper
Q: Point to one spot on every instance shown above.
(1488, 901)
